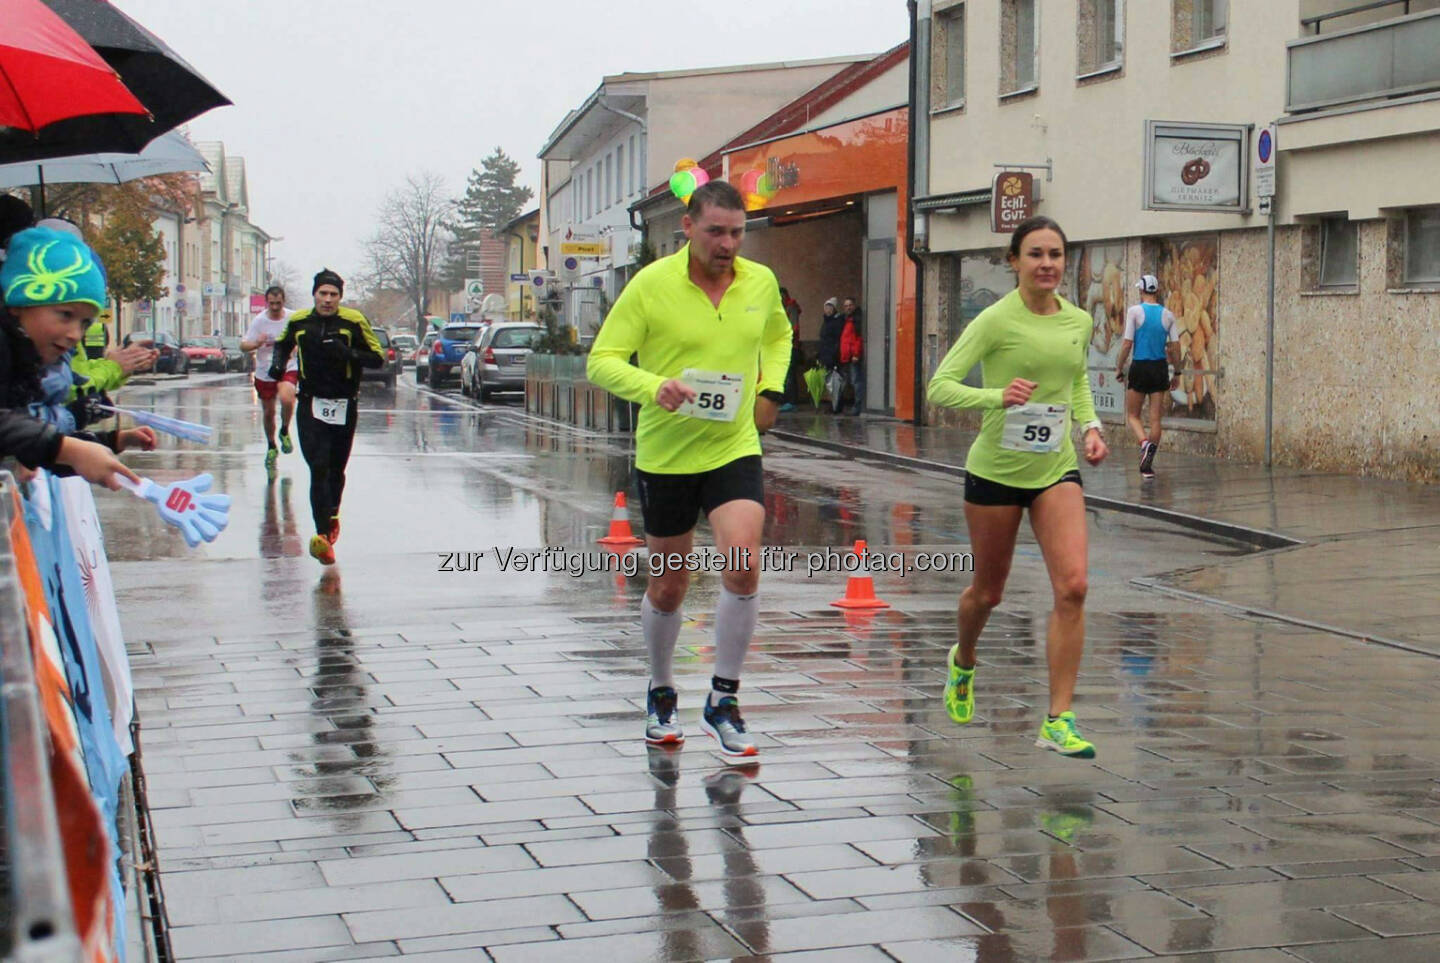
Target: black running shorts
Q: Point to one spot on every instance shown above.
(671, 504)
(1148, 377)
(983, 491)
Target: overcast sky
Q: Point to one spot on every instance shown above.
(337, 100)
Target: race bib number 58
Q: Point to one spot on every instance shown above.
(717, 394)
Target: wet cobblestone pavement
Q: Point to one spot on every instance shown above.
(380, 762)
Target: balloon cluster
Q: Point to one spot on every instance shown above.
(757, 187)
(688, 176)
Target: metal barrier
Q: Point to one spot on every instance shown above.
(43, 924)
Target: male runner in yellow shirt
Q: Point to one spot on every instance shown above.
(713, 343)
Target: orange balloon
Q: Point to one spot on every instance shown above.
(684, 164)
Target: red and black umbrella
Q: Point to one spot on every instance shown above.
(172, 90)
(49, 74)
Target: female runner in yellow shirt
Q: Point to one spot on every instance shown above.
(1032, 347)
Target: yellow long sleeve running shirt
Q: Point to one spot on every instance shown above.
(1008, 341)
(671, 325)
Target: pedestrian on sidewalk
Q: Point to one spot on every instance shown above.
(332, 343)
(852, 350)
(1032, 348)
(795, 376)
(265, 328)
(831, 327)
(712, 343)
(1154, 337)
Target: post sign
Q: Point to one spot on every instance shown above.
(584, 248)
(1196, 167)
(1265, 162)
(257, 302)
(1012, 200)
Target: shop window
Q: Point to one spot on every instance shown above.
(1100, 39)
(1422, 246)
(1198, 24)
(1019, 46)
(947, 85)
(1339, 253)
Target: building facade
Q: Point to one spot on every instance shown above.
(1146, 128)
(627, 136)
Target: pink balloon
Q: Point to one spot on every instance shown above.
(701, 178)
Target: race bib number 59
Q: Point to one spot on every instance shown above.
(717, 394)
(1034, 428)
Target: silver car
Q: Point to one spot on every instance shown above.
(495, 360)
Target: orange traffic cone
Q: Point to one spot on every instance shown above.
(620, 533)
(860, 589)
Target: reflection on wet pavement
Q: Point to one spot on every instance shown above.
(382, 759)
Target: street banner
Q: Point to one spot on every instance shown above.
(88, 543)
(92, 873)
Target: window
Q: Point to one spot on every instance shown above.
(1422, 245)
(1338, 250)
(1100, 35)
(620, 172)
(947, 87)
(632, 165)
(589, 192)
(1019, 45)
(606, 177)
(1197, 24)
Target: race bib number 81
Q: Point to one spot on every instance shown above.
(717, 394)
(332, 411)
(1034, 428)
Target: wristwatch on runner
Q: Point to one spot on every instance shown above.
(771, 394)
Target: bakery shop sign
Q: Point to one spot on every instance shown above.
(1012, 200)
(1196, 167)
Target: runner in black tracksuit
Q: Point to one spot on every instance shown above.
(334, 343)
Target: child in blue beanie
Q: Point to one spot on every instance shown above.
(53, 285)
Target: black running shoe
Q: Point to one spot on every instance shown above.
(1147, 458)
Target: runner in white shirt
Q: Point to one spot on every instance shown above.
(266, 327)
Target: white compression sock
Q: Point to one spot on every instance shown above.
(735, 618)
(661, 629)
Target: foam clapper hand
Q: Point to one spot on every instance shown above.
(185, 505)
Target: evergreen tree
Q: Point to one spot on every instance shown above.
(492, 200)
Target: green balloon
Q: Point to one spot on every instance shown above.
(765, 188)
(682, 184)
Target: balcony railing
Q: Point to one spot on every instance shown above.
(1388, 59)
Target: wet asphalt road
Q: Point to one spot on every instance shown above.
(383, 758)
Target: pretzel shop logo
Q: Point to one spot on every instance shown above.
(1012, 200)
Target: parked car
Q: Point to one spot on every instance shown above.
(422, 356)
(235, 358)
(447, 351)
(496, 359)
(172, 358)
(206, 353)
(405, 348)
(388, 371)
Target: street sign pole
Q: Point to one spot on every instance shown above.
(1265, 190)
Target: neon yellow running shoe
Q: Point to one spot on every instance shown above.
(270, 455)
(1062, 736)
(959, 691)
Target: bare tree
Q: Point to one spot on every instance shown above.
(286, 275)
(408, 248)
